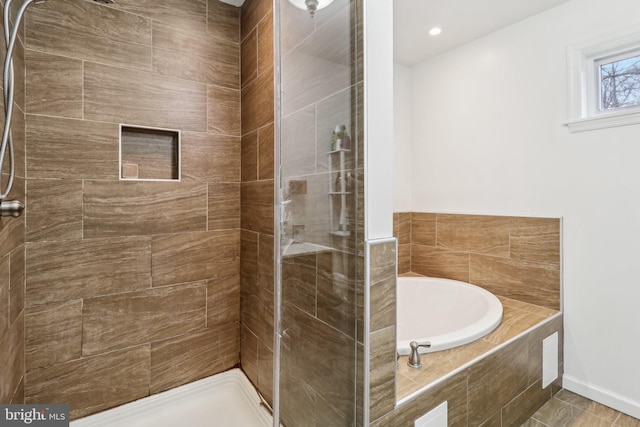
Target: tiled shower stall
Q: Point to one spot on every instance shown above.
(116, 289)
(131, 288)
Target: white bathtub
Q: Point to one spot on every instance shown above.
(224, 400)
(446, 313)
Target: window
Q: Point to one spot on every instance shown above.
(618, 81)
(604, 84)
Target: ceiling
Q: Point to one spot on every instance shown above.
(461, 21)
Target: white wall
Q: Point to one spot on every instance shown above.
(487, 137)
(378, 87)
(401, 138)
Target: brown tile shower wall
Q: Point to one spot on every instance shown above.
(12, 251)
(317, 362)
(132, 288)
(516, 257)
(256, 34)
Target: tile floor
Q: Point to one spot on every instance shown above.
(567, 409)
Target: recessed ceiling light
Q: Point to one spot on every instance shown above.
(435, 31)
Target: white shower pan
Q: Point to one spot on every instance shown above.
(224, 400)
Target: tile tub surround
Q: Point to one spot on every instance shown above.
(382, 328)
(125, 279)
(498, 378)
(515, 257)
(518, 317)
(501, 388)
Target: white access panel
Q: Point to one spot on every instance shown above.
(549, 359)
(437, 417)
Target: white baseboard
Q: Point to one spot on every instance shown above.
(600, 395)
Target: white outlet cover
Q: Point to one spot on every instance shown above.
(437, 417)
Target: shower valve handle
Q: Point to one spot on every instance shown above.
(12, 208)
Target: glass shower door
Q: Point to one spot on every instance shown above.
(318, 297)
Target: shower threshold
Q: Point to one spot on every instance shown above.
(224, 400)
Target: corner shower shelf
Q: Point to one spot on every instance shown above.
(338, 186)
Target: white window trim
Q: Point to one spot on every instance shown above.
(583, 112)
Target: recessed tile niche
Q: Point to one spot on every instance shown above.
(149, 154)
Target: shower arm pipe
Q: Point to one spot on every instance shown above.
(8, 84)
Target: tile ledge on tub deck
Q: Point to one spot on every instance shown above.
(407, 398)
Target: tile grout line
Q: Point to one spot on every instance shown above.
(206, 207)
(467, 390)
(82, 213)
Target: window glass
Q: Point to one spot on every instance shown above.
(619, 82)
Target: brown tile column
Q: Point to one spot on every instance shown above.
(257, 194)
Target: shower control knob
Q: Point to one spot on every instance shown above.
(12, 208)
